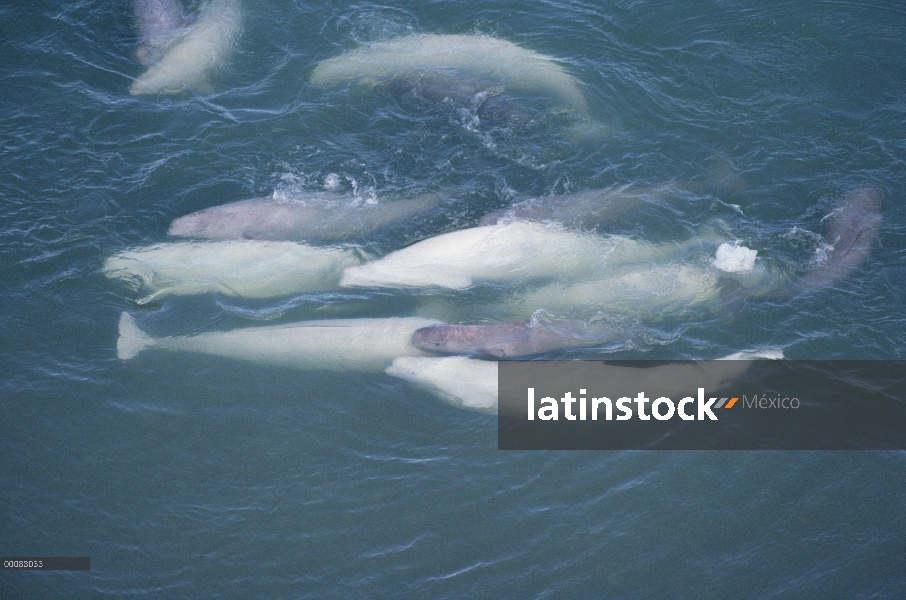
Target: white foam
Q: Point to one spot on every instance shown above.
(734, 258)
(332, 181)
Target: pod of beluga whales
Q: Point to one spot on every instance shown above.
(552, 280)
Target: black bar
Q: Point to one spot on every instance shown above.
(779, 405)
(46, 563)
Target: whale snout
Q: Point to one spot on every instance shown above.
(430, 338)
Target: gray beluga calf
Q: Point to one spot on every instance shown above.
(511, 339)
(192, 51)
(429, 63)
(368, 345)
(241, 268)
(314, 217)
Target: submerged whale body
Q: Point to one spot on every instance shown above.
(181, 53)
(854, 228)
(241, 268)
(471, 97)
(336, 345)
(314, 217)
(600, 208)
(459, 66)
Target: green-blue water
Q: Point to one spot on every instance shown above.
(186, 476)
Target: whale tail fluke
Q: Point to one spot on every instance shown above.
(132, 339)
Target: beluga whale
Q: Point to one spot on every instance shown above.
(181, 51)
(441, 66)
(313, 217)
(236, 268)
(368, 345)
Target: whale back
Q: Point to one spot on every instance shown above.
(496, 61)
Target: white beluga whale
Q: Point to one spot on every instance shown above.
(516, 252)
(240, 268)
(181, 53)
(314, 217)
(505, 253)
(599, 209)
(462, 64)
(368, 345)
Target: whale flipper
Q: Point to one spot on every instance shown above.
(132, 340)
